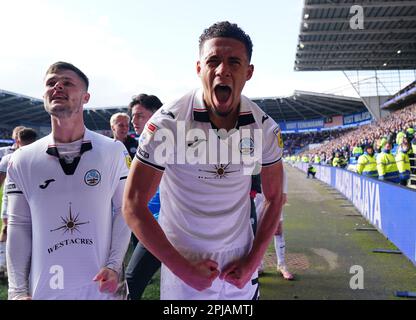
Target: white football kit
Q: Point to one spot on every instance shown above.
(3, 168)
(205, 207)
(65, 220)
(6, 150)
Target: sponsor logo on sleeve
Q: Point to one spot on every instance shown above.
(127, 158)
(143, 153)
(11, 187)
(278, 134)
(151, 128)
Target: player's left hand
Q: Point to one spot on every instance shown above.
(238, 273)
(108, 280)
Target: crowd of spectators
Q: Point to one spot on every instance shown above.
(388, 127)
(295, 142)
(5, 133)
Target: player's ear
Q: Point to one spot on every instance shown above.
(198, 67)
(250, 71)
(86, 98)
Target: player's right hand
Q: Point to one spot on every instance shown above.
(202, 274)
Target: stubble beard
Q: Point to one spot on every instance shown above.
(62, 111)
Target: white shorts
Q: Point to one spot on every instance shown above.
(173, 288)
(4, 205)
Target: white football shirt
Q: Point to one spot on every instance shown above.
(65, 221)
(205, 207)
(3, 168)
(6, 150)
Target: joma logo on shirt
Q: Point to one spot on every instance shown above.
(46, 183)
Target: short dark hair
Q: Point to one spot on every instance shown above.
(27, 136)
(60, 65)
(149, 102)
(225, 29)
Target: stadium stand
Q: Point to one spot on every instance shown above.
(297, 142)
(17, 109)
(390, 126)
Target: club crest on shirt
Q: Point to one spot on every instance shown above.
(246, 146)
(92, 177)
(133, 150)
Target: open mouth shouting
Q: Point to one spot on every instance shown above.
(58, 98)
(222, 98)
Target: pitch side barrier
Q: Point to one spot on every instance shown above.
(388, 207)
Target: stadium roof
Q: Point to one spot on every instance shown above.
(327, 41)
(403, 98)
(16, 109)
(304, 105)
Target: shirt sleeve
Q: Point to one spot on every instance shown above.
(272, 143)
(120, 232)
(19, 238)
(4, 201)
(3, 164)
(156, 143)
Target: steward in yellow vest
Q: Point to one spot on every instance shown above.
(403, 163)
(386, 165)
(367, 165)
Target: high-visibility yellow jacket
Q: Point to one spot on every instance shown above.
(367, 166)
(387, 167)
(399, 137)
(317, 159)
(357, 151)
(403, 165)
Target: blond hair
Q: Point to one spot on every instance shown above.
(117, 115)
(16, 132)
